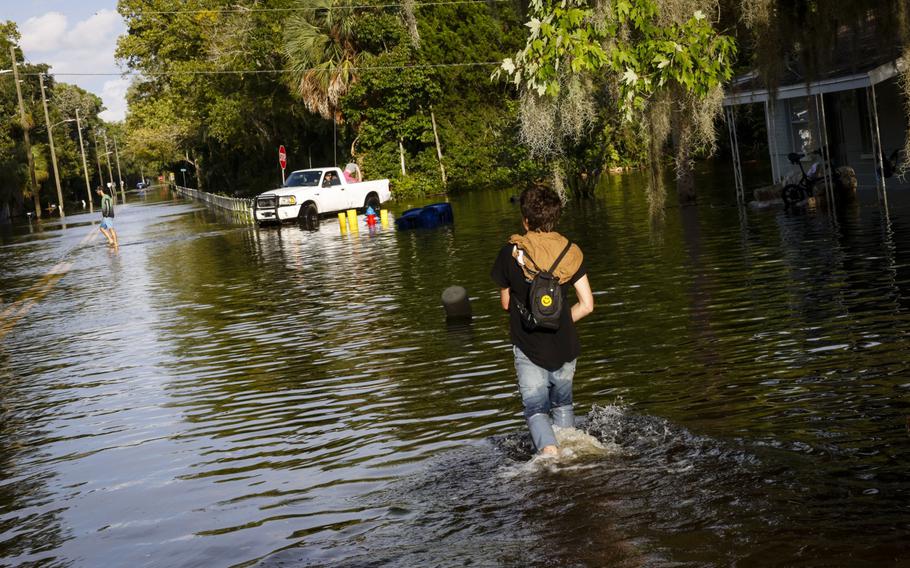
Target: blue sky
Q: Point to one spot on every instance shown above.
(74, 36)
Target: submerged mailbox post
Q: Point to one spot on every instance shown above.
(456, 303)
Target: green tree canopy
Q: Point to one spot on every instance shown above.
(664, 63)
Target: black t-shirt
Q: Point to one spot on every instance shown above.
(544, 347)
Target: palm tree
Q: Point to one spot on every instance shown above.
(322, 58)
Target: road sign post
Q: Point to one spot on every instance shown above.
(282, 161)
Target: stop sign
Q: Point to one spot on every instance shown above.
(282, 157)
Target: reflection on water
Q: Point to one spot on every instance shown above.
(214, 394)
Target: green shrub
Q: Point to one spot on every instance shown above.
(417, 185)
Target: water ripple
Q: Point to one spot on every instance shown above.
(215, 394)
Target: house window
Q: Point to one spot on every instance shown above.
(800, 127)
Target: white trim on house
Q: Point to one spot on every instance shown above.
(844, 83)
(888, 70)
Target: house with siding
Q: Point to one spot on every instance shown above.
(853, 113)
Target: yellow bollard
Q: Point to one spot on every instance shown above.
(342, 222)
(384, 218)
(352, 220)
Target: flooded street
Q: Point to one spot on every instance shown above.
(213, 394)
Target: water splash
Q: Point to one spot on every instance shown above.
(577, 450)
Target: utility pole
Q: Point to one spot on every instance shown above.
(119, 177)
(50, 138)
(88, 185)
(98, 158)
(110, 172)
(28, 143)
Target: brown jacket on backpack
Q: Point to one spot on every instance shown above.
(543, 248)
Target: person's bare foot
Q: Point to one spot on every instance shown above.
(550, 451)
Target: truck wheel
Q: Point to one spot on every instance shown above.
(309, 215)
(372, 200)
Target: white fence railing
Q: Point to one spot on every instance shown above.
(233, 204)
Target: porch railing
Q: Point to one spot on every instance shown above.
(244, 207)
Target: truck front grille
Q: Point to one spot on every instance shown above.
(267, 202)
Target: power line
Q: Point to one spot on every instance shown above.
(244, 10)
(268, 71)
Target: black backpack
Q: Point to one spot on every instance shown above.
(107, 208)
(544, 298)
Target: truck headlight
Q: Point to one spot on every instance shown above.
(287, 200)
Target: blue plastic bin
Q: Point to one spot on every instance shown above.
(427, 217)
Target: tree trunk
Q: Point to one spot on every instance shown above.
(195, 162)
(37, 199)
(685, 177)
(410, 19)
(685, 174)
(199, 174)
(401, 153)
(655, 153)
(353, 150)
(442, 168)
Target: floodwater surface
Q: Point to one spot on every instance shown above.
(214, 394)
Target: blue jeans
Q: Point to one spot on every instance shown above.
(544, 392)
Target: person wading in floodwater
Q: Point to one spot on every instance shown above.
(107, 217)
(545, 357)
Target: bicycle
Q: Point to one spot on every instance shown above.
(805, 187)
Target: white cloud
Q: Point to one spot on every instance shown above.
(87, 47)
(99, 30)
(114, 96)
(43, 33)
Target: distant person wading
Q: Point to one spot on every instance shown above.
(107, 217)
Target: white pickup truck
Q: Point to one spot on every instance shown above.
(307, 194)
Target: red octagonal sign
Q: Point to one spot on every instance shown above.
(282, 157)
